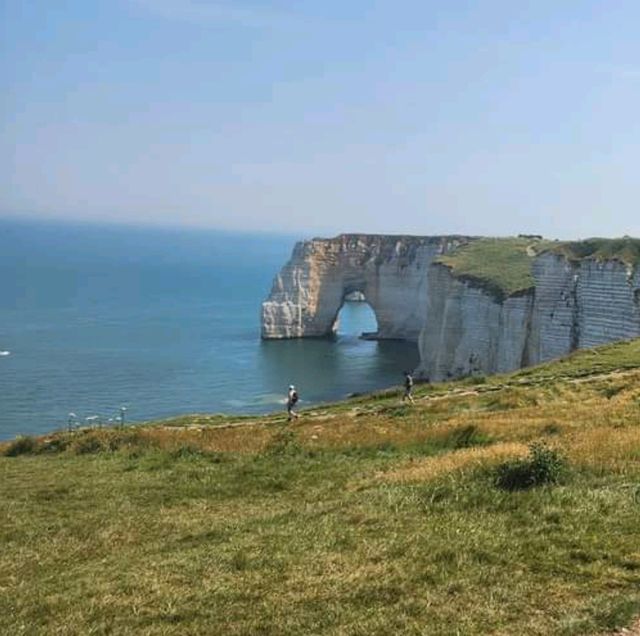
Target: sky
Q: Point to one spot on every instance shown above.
(487, 117)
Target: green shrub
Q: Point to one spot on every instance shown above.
(23, 445)
(79, 442)
(107, 440)
(467, 437)
(56, 444)
(552, 429)
(512, 399)
(86, 444)
(473, 379)
(284, 442)
(611, 391)
(544, 465)
(395, 410)
(117, 438)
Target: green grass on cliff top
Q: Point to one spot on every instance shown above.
(502, 266)
(625, 249)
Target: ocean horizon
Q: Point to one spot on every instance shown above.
(163, 322)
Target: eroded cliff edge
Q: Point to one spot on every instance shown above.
(473, 305)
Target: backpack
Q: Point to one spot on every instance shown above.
(408, 382)
(294, 397)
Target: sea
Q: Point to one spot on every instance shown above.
(104, 321)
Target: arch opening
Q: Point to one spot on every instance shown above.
(355, 318)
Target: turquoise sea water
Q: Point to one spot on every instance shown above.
(163, 322)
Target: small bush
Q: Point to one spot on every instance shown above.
(512, 399)
(551, 429)
(544, 465)
(107, 440)
(394, 410)
(185, 451)
(473, 379)
(194, 452)
(129, 438)
(468, 436)
(21, 446)
(240, 561)
(55, 444)
(86, 444)
(611, 391)
(284, 442)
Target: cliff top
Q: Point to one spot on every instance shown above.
(389, 515)
(503, 266)
(625, 249)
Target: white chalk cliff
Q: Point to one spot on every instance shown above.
(460, 325)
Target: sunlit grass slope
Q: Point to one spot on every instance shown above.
(364, 517)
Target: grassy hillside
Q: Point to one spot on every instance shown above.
(364, 517)
(502, 266)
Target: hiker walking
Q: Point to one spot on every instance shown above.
(408, 387)
(292, 400)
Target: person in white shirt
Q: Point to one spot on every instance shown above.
(292, 400)
(408, 387)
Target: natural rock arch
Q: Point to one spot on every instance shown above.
(362, 300)
(391, 271)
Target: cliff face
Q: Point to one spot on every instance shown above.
(392, 272)
(573, 305)
(461, 324)
(468, 331)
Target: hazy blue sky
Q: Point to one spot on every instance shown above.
(422, 116)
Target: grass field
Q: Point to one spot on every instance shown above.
(363, 517)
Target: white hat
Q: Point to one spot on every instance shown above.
(291, 387)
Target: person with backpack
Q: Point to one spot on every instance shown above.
(408, 387)
(292, 400)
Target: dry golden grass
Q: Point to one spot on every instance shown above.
(606, 449)
(456, 461)
(581, 417)
(505, 413)
(242, 439)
